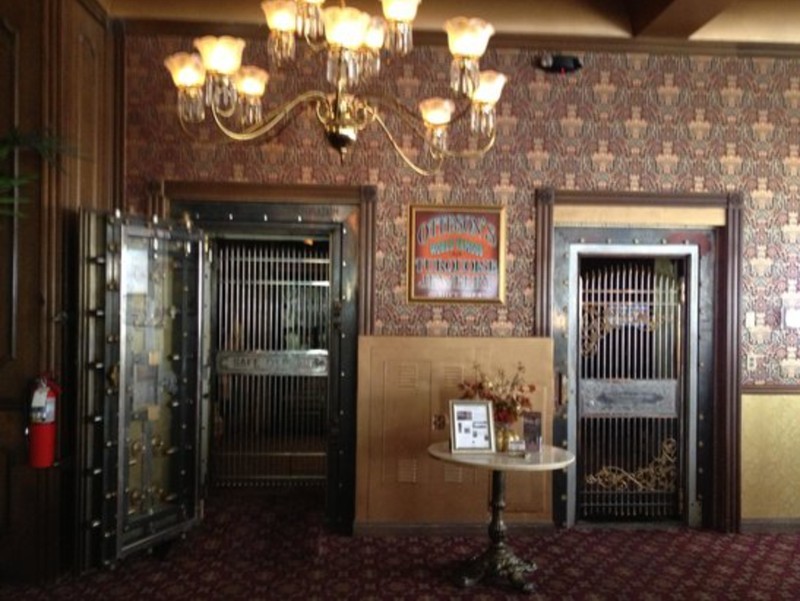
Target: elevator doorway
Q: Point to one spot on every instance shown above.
(634, 402)
(271, 321)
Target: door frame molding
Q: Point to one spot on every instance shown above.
(164, 193)
(723, 511)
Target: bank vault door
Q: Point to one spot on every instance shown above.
(633, 381)
(138, 411)
(272, 314)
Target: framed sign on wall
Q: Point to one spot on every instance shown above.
(457, 254)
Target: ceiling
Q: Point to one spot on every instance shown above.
(736, 22)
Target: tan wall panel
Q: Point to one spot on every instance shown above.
(770, 446)
(650, 216)
(404, 384)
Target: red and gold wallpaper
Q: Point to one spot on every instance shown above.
(626, 122)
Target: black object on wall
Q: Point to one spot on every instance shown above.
(558, 63)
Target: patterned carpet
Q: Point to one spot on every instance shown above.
(275, 547)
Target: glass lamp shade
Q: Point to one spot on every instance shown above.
(490, 87)
(399, 34)
(403, 11)
(370, 54)
(221, 55)
(468, 37)
(251, 81)
(437, 111)
(376, 32)
(281, 15)
(345, 27)
(186, 69)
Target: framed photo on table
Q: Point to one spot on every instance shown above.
(471, 426)
(457, 254)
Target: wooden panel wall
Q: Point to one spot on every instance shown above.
(56, 65)
(404, 386)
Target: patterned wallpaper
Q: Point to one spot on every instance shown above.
(626, 122)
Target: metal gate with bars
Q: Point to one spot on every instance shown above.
(270, 411)
(630, 390)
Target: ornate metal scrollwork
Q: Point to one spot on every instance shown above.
(658, 476)
(594, 328)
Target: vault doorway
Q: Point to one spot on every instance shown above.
(712, 226)
(633, 340)
(289, 289)
(271, 365)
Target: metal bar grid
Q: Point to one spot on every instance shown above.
(630, 457)
(271, 427)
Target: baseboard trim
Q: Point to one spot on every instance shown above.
(778, 525)
(471, 529)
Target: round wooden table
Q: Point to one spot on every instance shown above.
(498, 559)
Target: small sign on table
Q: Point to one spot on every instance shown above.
(532, 431)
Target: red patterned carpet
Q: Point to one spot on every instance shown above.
(266, 547)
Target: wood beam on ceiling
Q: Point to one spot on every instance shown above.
(677, 19)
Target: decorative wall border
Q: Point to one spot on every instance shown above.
(771, 389)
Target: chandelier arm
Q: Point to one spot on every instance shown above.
(185, 129)
(411, 118)
(471, 154)
(273, 118)
(438, 158)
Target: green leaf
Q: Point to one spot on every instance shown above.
(47, 146)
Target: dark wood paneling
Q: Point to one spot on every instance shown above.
(21, 102)
(726, 513)
(62, 55)
(80, 99)
(20, 107)
(543, 202)
(9, 224)
(81, 102)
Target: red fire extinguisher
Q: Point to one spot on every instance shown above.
(42, 426)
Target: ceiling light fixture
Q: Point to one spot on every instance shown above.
(213, 79)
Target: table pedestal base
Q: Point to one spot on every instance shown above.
(499, 561)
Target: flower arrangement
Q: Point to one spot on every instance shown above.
(509, 395)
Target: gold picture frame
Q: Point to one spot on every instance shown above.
(457, 254)
(471, 426)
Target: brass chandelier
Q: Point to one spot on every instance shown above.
(215, 81)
